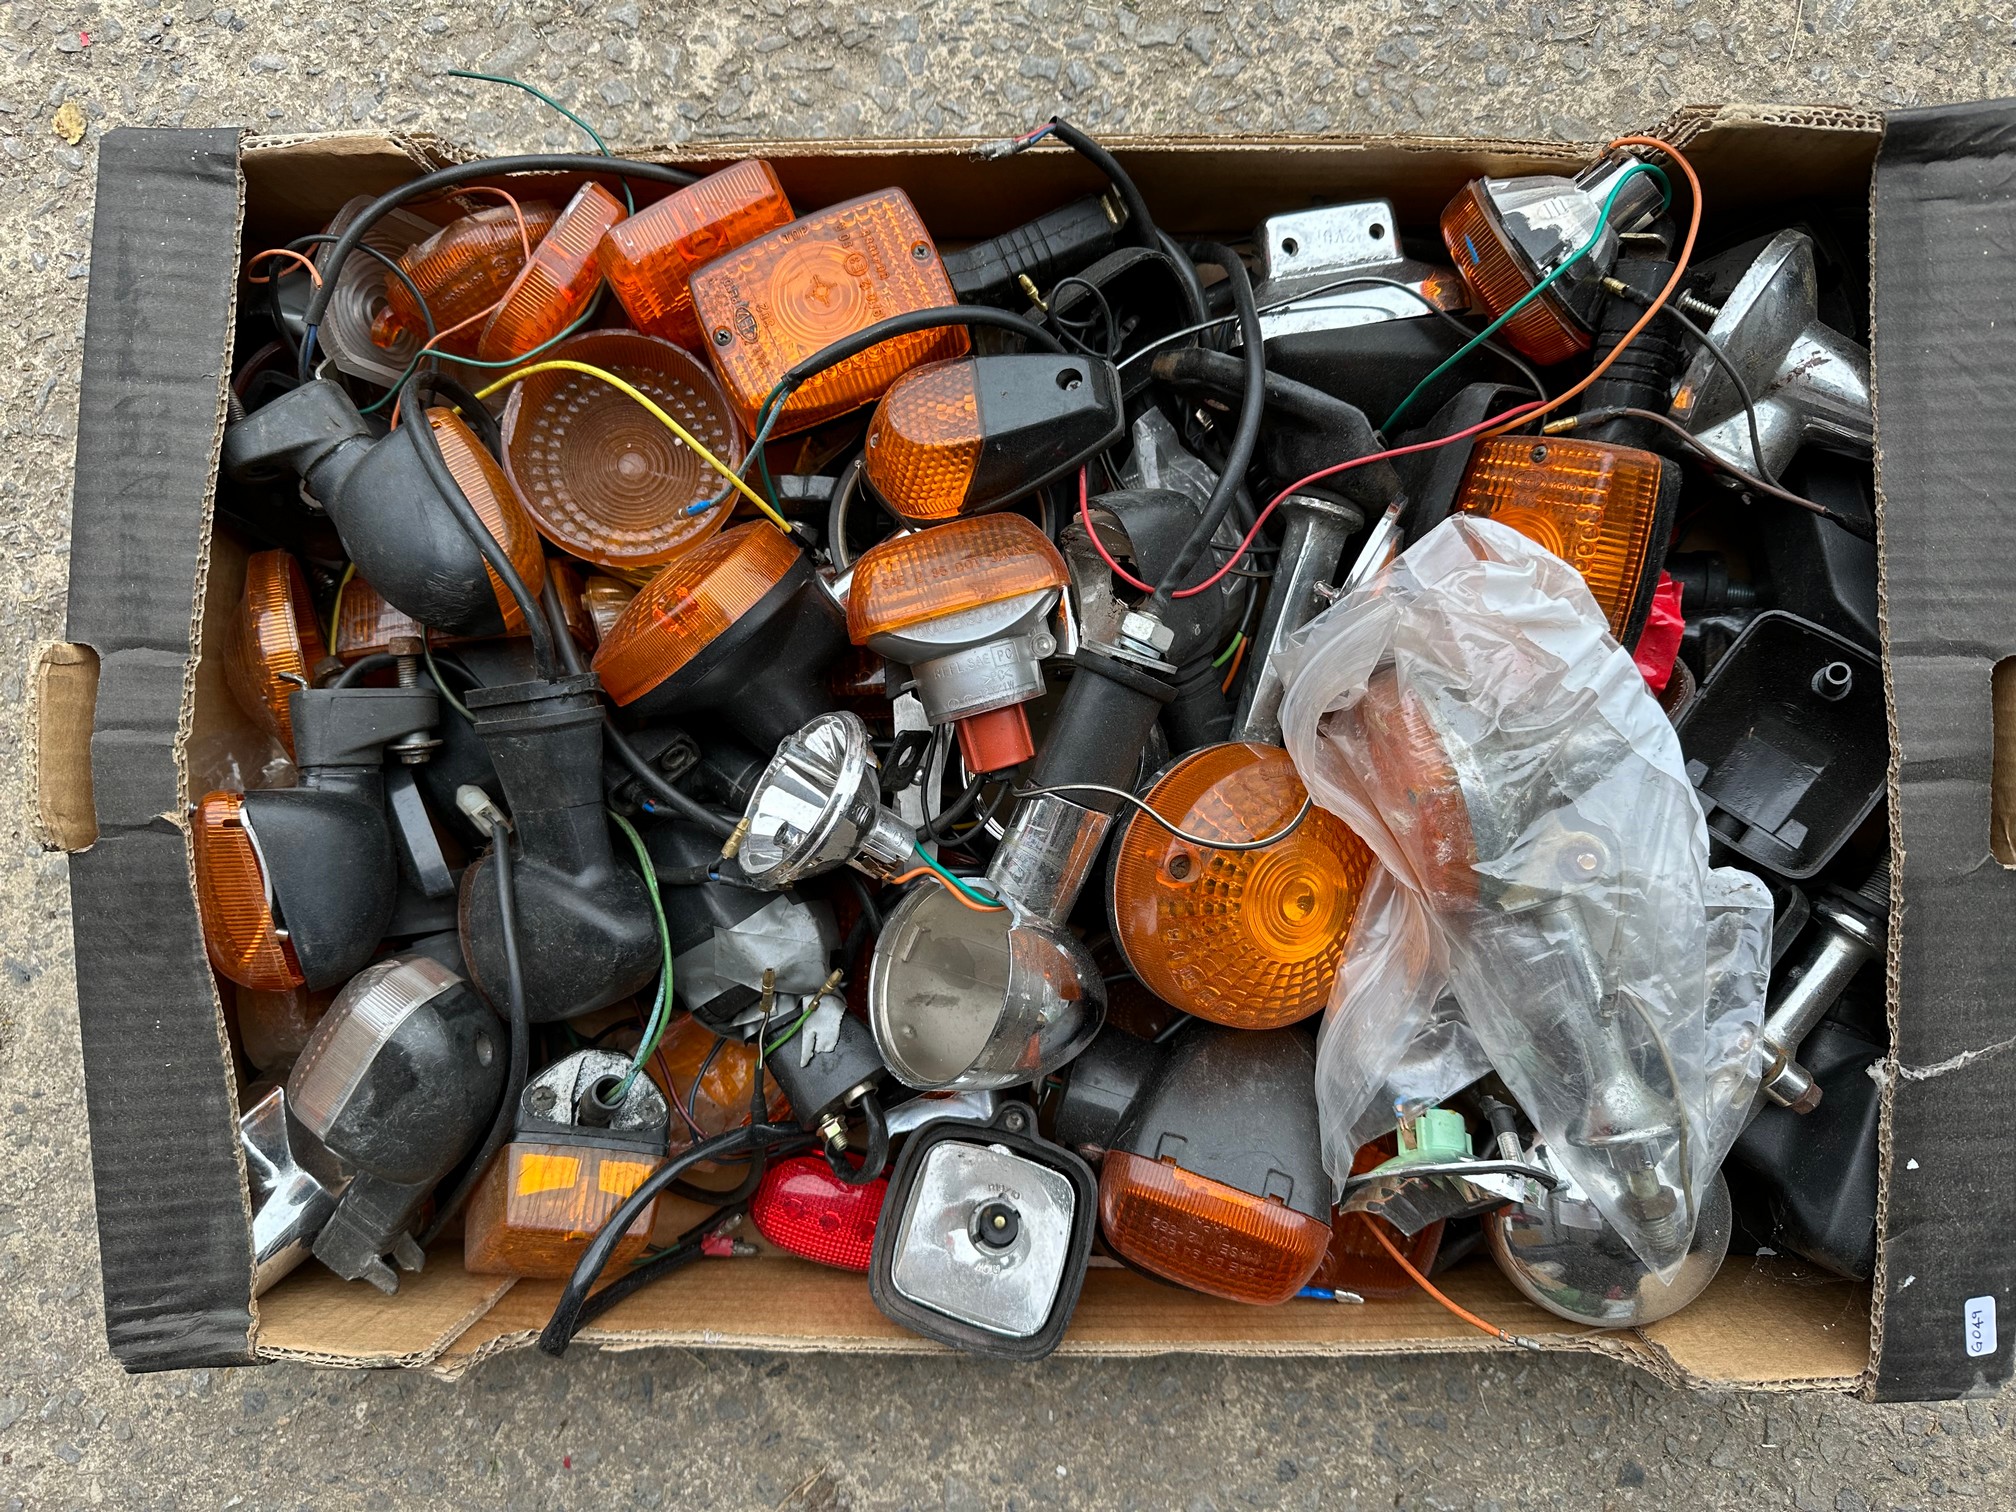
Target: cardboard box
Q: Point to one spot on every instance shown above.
(137, 689)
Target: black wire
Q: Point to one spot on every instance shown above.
(428, 445)
(660, 789)
(937, 829)
(1700, 448)
(521, 1039)
(567, 1316)
(1714, 349)
(1140, 224)
(363, 666)
(659, 1266)
(1103, 312)
(876, 1161)
(1239, 456)
(909, 323)
(863, 898)
(466, 173)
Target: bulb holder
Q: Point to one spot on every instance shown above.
(818, 805)
(984, 1236)
(586, 933)
(823, 1083)
(399, 530)
(399, 1081)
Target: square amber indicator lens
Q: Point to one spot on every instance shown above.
(767, 306)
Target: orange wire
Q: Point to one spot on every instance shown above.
(1238, 656)
(525, 245)
(1651, 310)
(957, 896)
(1429, 1287)
(258, 257)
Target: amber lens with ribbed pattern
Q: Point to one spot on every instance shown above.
(603, 477)
(482, 479)
(766, 307)
(1593, 505)
(909, 579)
(232, 900)
(1418, 790)
(1205, 1235)
(539, 1205)
(924, 441)
(462, 270)
(1499, 279)
(552, 291)
(650, 258)
(678, 614)
(1248, 939)
(276, 640)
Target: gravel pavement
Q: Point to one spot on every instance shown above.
(670, 1428)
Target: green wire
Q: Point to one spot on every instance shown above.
(1602, 225)
(654, 1027)
(546, 99)
(984, 901)
(790, 1034)
(1227, 654)
(586, 315)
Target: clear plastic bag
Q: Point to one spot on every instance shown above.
(1468, 714)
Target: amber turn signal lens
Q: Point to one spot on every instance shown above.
(234, 902)
(1356, 1261)
(552, 290)
(600, 474)
(1248, 939)
(1604, 510)
(924, 441)
(682, 610)
(366, 625)
(711, 1078)
(908, 579)
(539, 1204)
(1205, 1235)
(1497, 276)
(1419, 792)
(765, 307)
(276, 640)
(461, 270)
(650, 258)
(482, 479)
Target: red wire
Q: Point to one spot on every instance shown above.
(1511, 416)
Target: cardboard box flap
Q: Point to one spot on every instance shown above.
(1945, 358)
(172, 1224)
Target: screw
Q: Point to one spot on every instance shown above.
(1539, 454)
(1698, 307)
(722, 336)
(543, 1100)
(921, 252)
(416, 747)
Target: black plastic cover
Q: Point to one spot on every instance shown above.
(1057, 242)
(1237, 1106)
(833, 1078)
(1041, 415)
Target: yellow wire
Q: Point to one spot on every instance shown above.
(336, 608)
(564, 365)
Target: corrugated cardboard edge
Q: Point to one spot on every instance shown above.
(468, 1301)
(59, 746)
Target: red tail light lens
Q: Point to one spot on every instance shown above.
(804, 1208)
